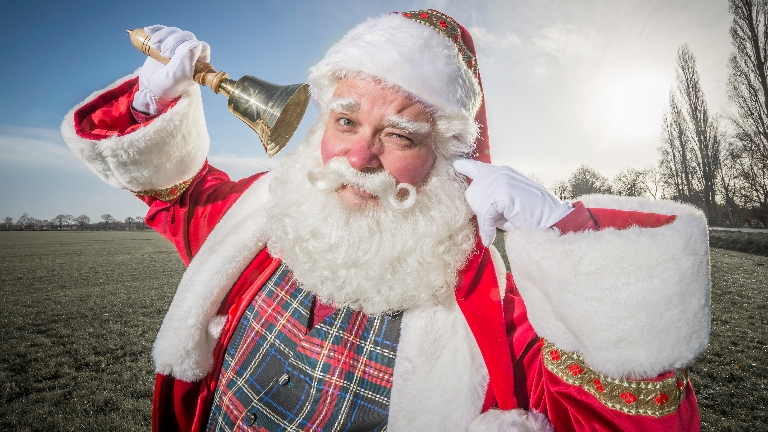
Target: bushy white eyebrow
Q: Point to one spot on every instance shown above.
(407, 125)
(343, 104)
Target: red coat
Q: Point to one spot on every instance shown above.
(511, 349)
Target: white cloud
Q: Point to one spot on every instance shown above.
(35, 147)
(566, 41)
(484, 38)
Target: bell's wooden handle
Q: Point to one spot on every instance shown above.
(204, 74)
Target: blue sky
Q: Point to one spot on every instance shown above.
(567, 82)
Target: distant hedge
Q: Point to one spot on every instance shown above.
(750, 242)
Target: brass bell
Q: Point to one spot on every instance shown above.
(272, 111)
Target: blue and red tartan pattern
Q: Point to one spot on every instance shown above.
(277, 376)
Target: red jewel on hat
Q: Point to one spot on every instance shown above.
(679, 385)
(628, 397)
(173, 191)
(575, 369)
(661, 399)
(407, 15)
(442, 24)
(424, 15)
(471, 64)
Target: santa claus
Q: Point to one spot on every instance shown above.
(355, 288)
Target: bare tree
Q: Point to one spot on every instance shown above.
(8, 221)
(140, 220)
(585, 181)
(62, 219)
(629, 182)
(24, 221)
(128, 221)
(730, 185)
(676, 167)
(561, 190)
(703, 129)
(108, 219)
(748, 94)
(690, 151)
(652, 182)
(82, 221)
(27, 222)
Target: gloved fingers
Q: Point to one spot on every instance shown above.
(182, 64)
(470, 167)
(173, 41)
(205, 53)
(151, 30)
(150, 66)
(176, 77)
(157, 39)
(486, 230)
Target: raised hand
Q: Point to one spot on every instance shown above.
(502, 197)
(159, 84)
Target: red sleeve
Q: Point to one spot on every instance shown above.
(187, 220)
(111, 114)
(578, 220)
(569, 407)
(583, 219)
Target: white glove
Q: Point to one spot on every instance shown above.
(159, 84)
(502, 197)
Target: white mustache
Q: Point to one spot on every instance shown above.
(337, 172)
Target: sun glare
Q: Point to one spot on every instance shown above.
(632, 105)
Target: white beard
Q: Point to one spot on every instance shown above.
(374, 259)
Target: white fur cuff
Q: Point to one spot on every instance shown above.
(164, 153)
(516, 420)
(634, 303)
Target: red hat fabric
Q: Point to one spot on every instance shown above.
(456, 33)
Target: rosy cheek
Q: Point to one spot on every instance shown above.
(327, 149)
(413, 170)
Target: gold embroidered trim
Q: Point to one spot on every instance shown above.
(449, 28)
(166, 194)
(651, 398)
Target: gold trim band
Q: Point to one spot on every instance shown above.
(651, 398)
(166, 194)
(449, 28)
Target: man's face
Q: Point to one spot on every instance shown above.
(377, 128)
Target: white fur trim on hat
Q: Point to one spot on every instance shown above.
(515, 420)
(404, 53)
(634, 303)
(166, 152)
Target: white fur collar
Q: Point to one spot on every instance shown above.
(190, 329)
(440, 378)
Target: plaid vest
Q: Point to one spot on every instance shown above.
(277, 376)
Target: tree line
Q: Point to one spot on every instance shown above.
(68, 222)
(717, 162)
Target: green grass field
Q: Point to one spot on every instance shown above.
(81, 310)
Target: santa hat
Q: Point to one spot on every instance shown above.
(425, 53)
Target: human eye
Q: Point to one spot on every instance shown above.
(401, 140)
(345, 121)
